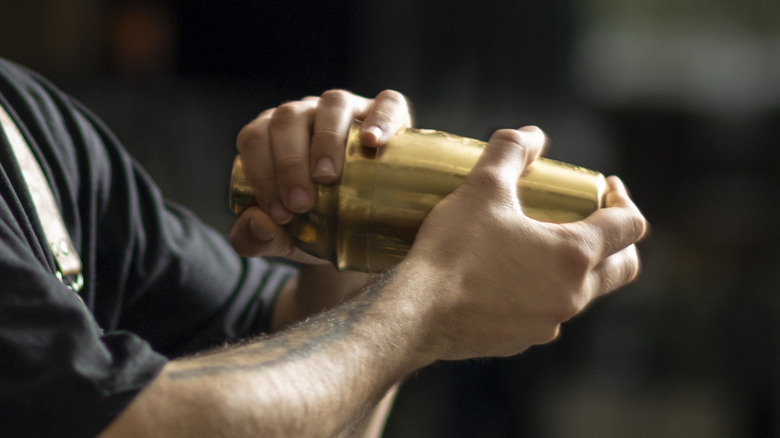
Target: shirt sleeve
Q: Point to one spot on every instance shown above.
(159, 271)
(158, 282)
(60, 373)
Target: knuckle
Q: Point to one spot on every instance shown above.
(391, 102)
(570, 306)
(337, 96)
(509, 136)
(255, 131)
(527, 141)
(636, 270)
(249, 137)
(533, 129)
(639, 226)
(288, 111)
(289, 163)
(547, 334)
(578, 258)
(327, 136)
(392, 96)
(632, 265)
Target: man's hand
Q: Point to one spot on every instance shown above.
(495, 282)
(286, 152)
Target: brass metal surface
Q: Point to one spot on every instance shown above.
(368, 220)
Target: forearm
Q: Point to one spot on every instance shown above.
(320, 378)
(317, 288)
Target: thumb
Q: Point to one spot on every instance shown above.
(506, 157)
(255, 234)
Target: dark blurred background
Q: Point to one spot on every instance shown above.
(679, 98)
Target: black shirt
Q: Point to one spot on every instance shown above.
(157, 282)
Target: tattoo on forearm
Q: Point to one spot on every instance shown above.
(306, 338)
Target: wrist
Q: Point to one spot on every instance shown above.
(317, 288)
(404, 313)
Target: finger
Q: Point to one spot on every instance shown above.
(290, 132)
(505, 157)
(255, 234)
(615, 271)
(388, 114)
(335, 112)
(617, 225)
(254, 146)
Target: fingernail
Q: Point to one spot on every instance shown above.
(258, 232)
(279, 214)
(325, 169)
(374, 131)
(298, 200)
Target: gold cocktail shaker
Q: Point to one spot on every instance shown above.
(368, 219)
